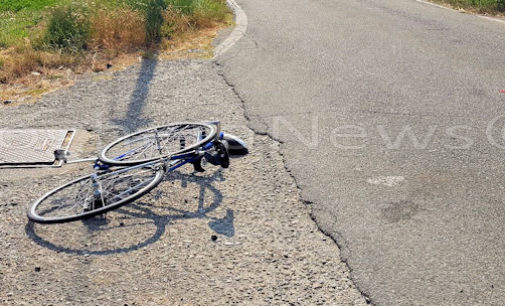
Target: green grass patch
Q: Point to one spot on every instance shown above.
(185, 7)
(15, 27)
(30, 5)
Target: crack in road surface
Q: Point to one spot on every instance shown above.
(418, 220)
(239, 235)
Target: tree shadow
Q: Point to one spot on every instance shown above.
(134, 119)
(101, 232)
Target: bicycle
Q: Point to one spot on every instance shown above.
(132, 166)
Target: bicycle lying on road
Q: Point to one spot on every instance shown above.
(133, 165)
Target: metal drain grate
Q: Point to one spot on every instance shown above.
(32, 147)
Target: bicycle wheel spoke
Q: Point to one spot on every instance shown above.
(95, 192)
(124, 184)
(156, 142)
(134, 151)
(127, 192)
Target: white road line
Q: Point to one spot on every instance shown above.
(448, 8)
(493, 19)
(434, 4)
(238, 31)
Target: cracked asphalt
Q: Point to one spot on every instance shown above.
(240, 235)
(391, 121)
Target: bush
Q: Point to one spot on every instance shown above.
(69, 28)
(501, 5)
(154, 21)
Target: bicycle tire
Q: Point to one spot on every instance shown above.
(125, 156)
(78, 201)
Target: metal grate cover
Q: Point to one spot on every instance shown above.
(30, 146)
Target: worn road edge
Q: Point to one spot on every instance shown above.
(238, 31)
(455, 10)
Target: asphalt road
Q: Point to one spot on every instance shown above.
(239, 235)
(390, 116)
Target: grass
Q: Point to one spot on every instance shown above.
(480, 6)
(27, 5)
(40, 35)
(15, 27)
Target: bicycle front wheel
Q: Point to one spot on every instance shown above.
(158, 142)
(94, 194)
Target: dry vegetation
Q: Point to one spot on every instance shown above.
(70, 38)
(119, 31)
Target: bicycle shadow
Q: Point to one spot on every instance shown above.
(123, 233)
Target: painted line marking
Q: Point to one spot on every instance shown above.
(492, 18)
(238, 31)
(434, 4)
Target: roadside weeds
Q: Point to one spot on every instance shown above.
(94, 36)
(494, 8)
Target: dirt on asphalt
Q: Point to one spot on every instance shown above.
(238, 235)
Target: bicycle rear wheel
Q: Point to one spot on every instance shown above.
(94, 194)
(158, 142)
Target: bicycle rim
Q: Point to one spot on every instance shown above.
(94, 194)
(156, 143)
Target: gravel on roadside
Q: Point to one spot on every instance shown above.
(237, 235)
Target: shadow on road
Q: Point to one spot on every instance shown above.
(134, 118)
(131, 226)
(154, 21)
